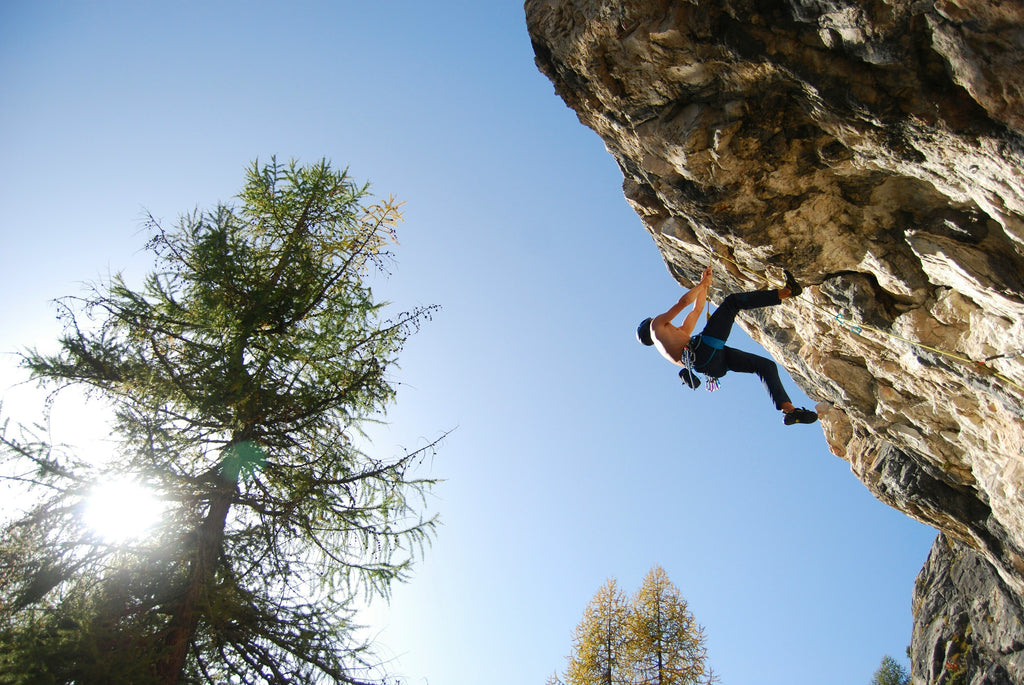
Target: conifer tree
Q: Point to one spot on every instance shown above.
(240, 375)
(649, 639)
(599, 641)
(890, 672)
(666, 644)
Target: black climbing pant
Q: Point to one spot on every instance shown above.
(713, 358)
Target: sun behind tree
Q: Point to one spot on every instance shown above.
(240, 375)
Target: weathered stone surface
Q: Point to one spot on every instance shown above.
(969, 625)
(874, 149)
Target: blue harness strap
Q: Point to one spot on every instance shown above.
(714, 343)
(690, 354)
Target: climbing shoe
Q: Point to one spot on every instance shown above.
(794, 288)
(799, 416)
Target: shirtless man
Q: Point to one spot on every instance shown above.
(708, 353)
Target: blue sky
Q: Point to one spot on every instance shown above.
(576, 454)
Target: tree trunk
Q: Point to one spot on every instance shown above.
(209, 538)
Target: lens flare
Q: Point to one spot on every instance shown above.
(122, 509)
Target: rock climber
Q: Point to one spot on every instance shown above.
(707, 352)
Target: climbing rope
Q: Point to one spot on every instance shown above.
(858, 328)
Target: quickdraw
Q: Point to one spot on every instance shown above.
(854, 328)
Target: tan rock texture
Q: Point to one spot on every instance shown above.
(874, 149)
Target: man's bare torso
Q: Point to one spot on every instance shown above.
(670, 341)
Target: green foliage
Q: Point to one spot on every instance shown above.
(890, 672)
(240, 375)
(651, 639)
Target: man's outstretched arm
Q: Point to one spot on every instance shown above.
(693, 318)
(697, 294)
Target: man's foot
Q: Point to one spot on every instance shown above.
(792, 286)
(800, 415)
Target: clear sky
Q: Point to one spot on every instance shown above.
(576, 454)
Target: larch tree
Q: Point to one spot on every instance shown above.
(649, 639)
(599, 649)
(666, 643)
(240, 374)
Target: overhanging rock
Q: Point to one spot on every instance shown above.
(875, 150)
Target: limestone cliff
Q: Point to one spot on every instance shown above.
(876, 150)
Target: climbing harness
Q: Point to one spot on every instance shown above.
(858, 328)
(712, 383)
(714, 343)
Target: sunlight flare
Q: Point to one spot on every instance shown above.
(122, 509)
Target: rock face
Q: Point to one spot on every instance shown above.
(876, 150)
(969, 626)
